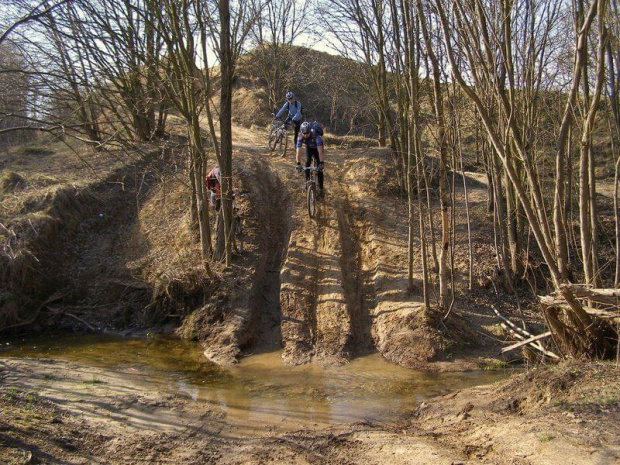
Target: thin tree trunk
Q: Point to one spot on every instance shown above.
(226, 61)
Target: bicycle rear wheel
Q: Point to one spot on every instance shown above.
(311, 200)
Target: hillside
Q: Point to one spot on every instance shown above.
(102, 241)
(325, 84)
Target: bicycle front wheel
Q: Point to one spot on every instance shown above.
(283, 143)
(311, 200)
(273, 140)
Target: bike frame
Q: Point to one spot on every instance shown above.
(278, 135)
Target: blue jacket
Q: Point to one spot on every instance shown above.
(294, 110)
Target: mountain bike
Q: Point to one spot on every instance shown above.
(278, 137)
(311, 190)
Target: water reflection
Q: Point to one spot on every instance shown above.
(260, 389)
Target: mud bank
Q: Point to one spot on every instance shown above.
(60, 241)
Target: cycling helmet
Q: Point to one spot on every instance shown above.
(290, 95)
(305, 127)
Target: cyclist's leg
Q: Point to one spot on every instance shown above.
(316, 163)
(297, 126)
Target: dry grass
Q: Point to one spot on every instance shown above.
(41, 208)
(11, 181)
(163, 252)
(349, 142)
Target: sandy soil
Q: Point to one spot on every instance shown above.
(60, 412)
(342, 275)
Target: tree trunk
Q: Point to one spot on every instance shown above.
(226, 60)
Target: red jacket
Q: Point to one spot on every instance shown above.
(213, 182)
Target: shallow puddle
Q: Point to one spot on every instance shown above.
(261, 388)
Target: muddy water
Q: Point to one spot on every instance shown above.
(260, 389)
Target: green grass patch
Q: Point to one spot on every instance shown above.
(92, 382)
(546, 438)
(11, 394)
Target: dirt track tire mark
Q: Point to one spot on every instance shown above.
(358, 293)
(400, 328)
(316, 323)
(272, 201)
(297, 299)
(333, 320)
(325, 292)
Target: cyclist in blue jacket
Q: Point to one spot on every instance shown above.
(310, 134)
(292, 109)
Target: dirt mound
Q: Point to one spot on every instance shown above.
(574, 385)
(60, 241)
(251, 106)
(162, 252)
(564, 414)
(340, 110)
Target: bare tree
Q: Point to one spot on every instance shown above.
(15, 94)
(485, 41)
(278, 24)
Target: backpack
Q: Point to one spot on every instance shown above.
(316, 128)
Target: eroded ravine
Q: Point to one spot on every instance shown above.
(324, 296)
(271, 199)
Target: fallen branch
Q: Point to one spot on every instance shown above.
(549, 301)
(608, 296)
(60, 312)
(523, 334)
(53, 298)
(527, 341)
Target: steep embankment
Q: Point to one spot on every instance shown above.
(63, 233)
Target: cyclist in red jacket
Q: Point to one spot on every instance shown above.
(213, 183)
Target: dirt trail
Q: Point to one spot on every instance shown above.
(343, 281)
(316, 320)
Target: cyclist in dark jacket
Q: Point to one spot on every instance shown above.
(292, 109)
(310, 134)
